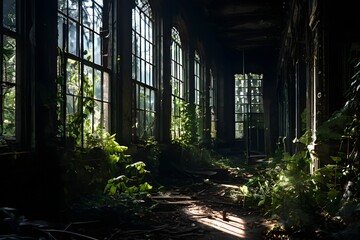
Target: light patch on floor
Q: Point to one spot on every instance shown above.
(221, 221)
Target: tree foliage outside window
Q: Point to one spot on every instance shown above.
(8, 62)
(144, 85)
(83, 77)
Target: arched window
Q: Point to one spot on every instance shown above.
(177, 85)
(83, 73)
(144, 84)
(8, 76)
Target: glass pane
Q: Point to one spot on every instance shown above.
(62, 6)
(88, 83)
(143, 48)
(180, 56)
(133, 67)
(150, 122)
(100, 2)
(9, 57)
(73, 38)
(97, 114)
(133, 20)
(255, 91)
(243, 100)
(147, 51)
(142, 25)
(87, 13)
(97, 18)
(138, 74)
(173, 86)
(180, 71)
(137, 21)
(243, 91)
(142, 98)
(151, 80)
(106, 117)
(106, 87)
(137, 43)
(149, 75)
(255, 108)
(74, 9)
(197, 97)
(8, 85)
(9, 14)
(152, 101)
(133, 50)
(137, 96)
(97, 84)
(140, 123)
(147, 99)
(88, 121)
(143, 70)
(172, 68)
(60, 28)
(97, 49)
(73, 84)
(8, 112)
(149, 32)
(88, 45)
(72, 105)
(182, 90)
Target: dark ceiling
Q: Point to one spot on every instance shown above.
(244, 24)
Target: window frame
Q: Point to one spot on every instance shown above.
(145, 91)
(95, 60)
(199, 93)
(212, 105)
(247, 108)
(177, 75)
(8, 140)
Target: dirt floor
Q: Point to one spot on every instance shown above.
(196, 211)
(199, 208)
(208, 215)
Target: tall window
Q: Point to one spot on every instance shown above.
(143, 71)
(8, 76)
(83, 80)
(249, 107)
(177, 85)
(199, 94)
(212, 105)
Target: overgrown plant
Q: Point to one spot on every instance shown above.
(307, 201)
(87, 168)
(90, 155)
(186, 147)
(134, 182)
(186, 124)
